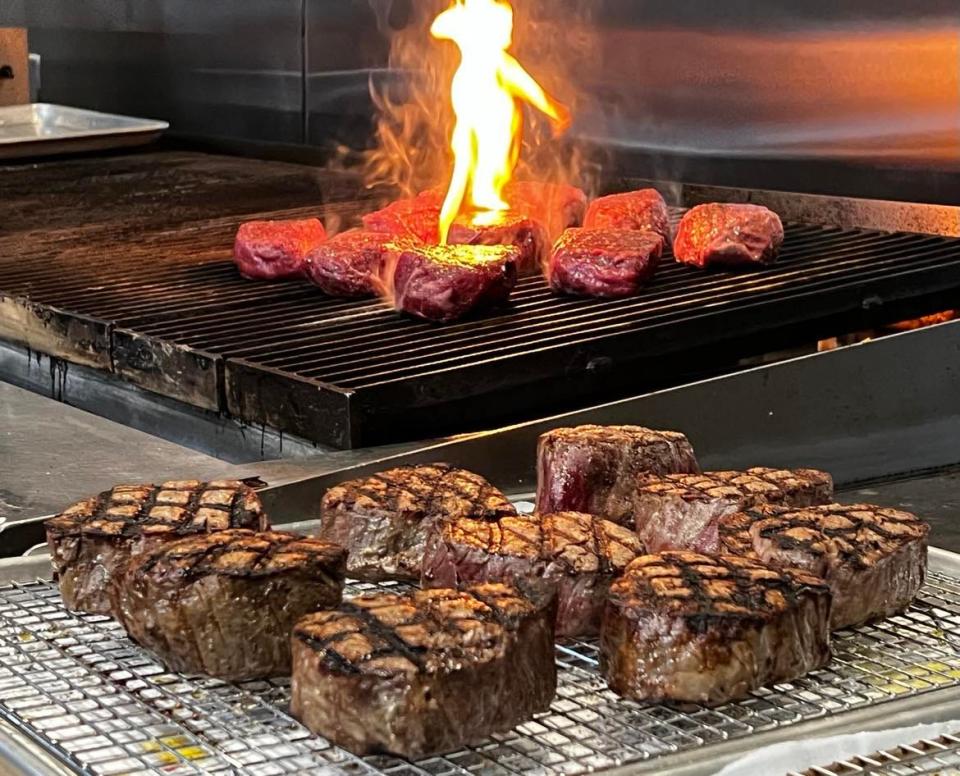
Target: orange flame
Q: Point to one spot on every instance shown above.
(487, 91)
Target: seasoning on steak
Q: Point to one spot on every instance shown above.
(526, 234)
(91, 540)
(728, 235)
(641, 211)
(224, 604)
(384, 520)
(351, 264)
(595, 469)
(275, 250)
(685, 627)
(416, 218)
(680, 511)
(423, 673)
(603, 262)
(579, 555)
(446, 282)
(873, 558)
(557, 206)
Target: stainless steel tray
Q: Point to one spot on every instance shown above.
(40, 129)
(936, 756)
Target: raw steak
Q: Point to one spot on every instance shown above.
(728, 235)
(527, 235)
(351, 264)
(417, 218)
(274, 250)
(603, 262)
(641, 211)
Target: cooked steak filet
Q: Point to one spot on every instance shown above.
(579, 554)
(225, 603)
(603, 262)
(417, 218)
(350, 264)
(527, 235)
(873, 558)
(642, 211)
(384, 520)
(594, 469)
(727, 235)
(423, 673)
(707, 629)
(680, 511)
(273, 250)
(557, 206)
(94, 538)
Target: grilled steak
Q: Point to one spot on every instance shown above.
(578, 554)
(444, 283)
(527, 235)
(721, 234)
(417, 218)
(873, 558)
(274, 250)
(384, 520)
(594, 469)
(680, 511)
(350, 265)
(224, 604)
(555, 205)
(90, 541)
(603, 262)
(641, 211)
(423, 673)
(708, 629)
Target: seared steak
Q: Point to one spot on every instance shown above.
(94, 538)
(680, 511)
(350, 265)
(417, 218)
(873, 558)
(557, 206)
(603, 262)
(423, 673)
(594, 469)
(578, 554)
(525, 234)
(642, 211)
(224, 604)
(726, 235)
(274, 250)
(708, 629)
(384, 520)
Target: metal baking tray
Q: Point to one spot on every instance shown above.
(940, 756)
(41, 129)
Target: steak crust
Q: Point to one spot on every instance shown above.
(416, 218)
(350, 265)
(384, 520)
(224, 604)
(93, 539)
(686, 627)
(276, 250)
(873, 558)
(642, 211)
(728, 235)
(526, 234)
(603, 262)
(423, 673)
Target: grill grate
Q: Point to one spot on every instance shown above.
(79, 687)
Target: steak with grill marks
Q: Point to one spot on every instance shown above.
(873, 558)
(595, 469)
(681, 626)
(423, 673)
(680, 511)
(579, 555)
(642, 211)
(93, 539)
(384, 520)
(274, 250)
(728, 235)
(607, 263)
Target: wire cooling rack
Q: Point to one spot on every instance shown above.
(77, 686)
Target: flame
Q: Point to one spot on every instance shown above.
(487, 92)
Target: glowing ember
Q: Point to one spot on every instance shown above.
(487, 92)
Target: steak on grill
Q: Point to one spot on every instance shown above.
(873, 558)
(685, 627)
(641, 211)
(224, 604)
(423, 673)
(526, 234)
(557, 206)
(603, 262)
(579, 555)
(446, 282)
(595, 469)
(384, 520)
(351, 264)
(728, 235)
(275, 250)
(416, 218)
(93, 539)
(680, 511)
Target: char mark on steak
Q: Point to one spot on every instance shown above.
(224, 604)
(276, 250)
(873, 558)
(527, 235)
(351, 264)
(423, 673)
(728, 235)
(603, 262)
(595, 469)
(685, 627)
(641, 211)
(93, 539)
(680, 511)
(384, 520)
(577, 555)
